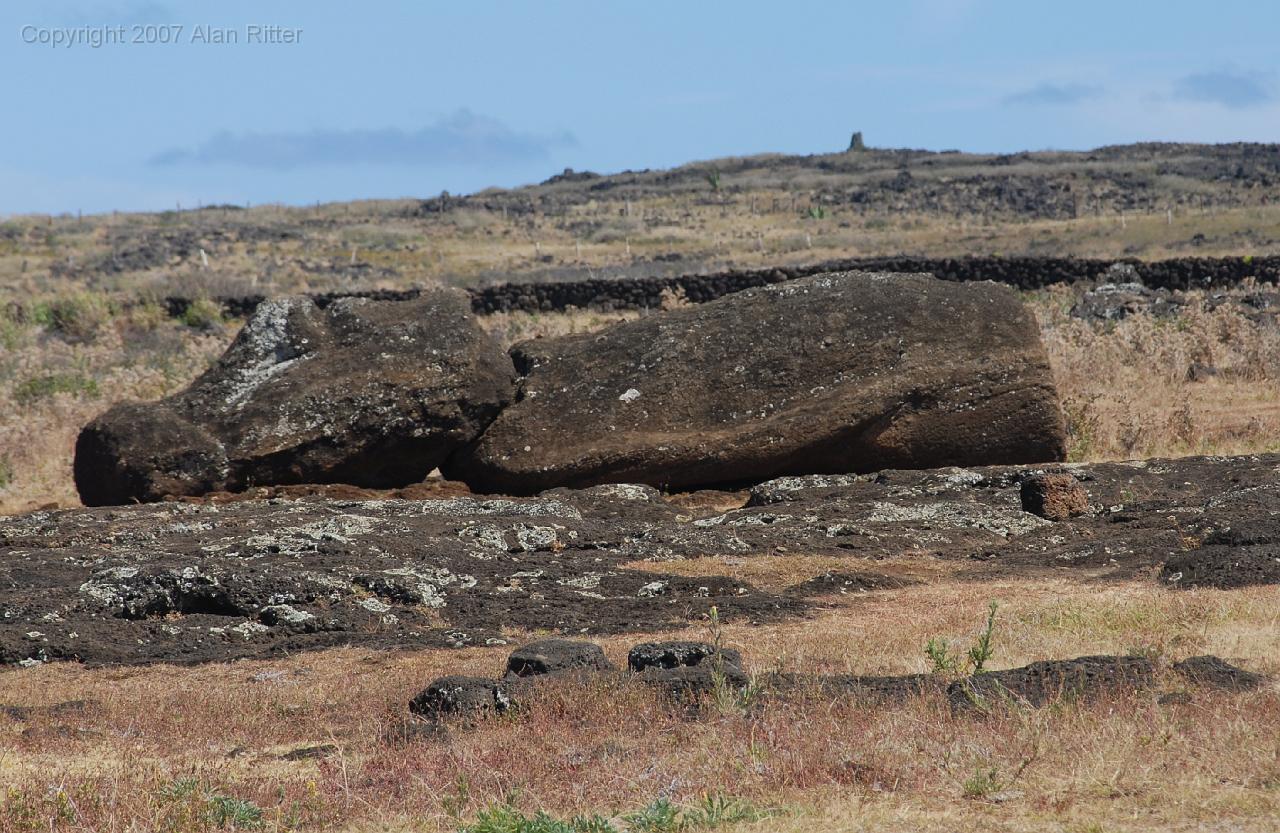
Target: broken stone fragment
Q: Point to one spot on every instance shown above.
(370, 393)
(1041, 683)
(1055, 497)
(680, 654)
(556, 656)
(460, 696)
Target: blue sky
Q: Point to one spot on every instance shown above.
(390, 99)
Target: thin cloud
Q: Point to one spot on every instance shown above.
(1053, 95)
(461, 139)
(1237, 90)
(119, 15)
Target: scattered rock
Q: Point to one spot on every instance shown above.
(460, 696)
(1114, 301)
(692, 683)
(1234, 557)
(1214, 672)
(195, 582)
(310, 753)
(836, 581)
(1198, 372)
(680, 654)
(1041, 683)
(841, 372)
(371, 393)
(1055, 497)
(869, 688)
(556, 656)
(64, 709)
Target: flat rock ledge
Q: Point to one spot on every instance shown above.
(196, 581)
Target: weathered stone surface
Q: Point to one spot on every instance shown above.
(1235, 556)
(680, 654)
(841, 372)
(371, 393)
(1215, 672)
(1114, 301)
(556, 656)
(192, 581)
(1041, 683)
(687, 683)
(1054, 497)
(863, 688)
(460, 696)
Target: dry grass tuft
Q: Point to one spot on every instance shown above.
(1126, 386)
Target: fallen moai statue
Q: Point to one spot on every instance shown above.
(371, 393)
(842, 372)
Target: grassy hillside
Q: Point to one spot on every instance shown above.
(1139, 200)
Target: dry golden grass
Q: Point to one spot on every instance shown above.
(379, 244)
(1124, 764)
(52, 382)
(1126, 390)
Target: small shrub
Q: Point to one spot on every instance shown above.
(817, 212)
(13, 329)
(203, 314)
(718, 810)
(727, 698)
(76, 317)
(983, 782)
(6, 472)
(190, 803)
(42, 387)
(225, 811)
(981, 651)
(713, 179)
(659, 817)
(943, 660)
(147, 317)
(507, 819)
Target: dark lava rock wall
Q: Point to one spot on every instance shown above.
(649, 293)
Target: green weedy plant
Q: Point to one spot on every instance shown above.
(939, 653)
(728, 698)
(203, 314)
(713, 179)
(718, 810)
(982, 651)
(12, 330)
(225, 811)
(948, 662)
(507, 819)
(192, 804)
(817, 212)
(983, 782)
(661, 816)
(42, 387)
(76, 317)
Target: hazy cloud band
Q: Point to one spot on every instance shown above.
(460, 139)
